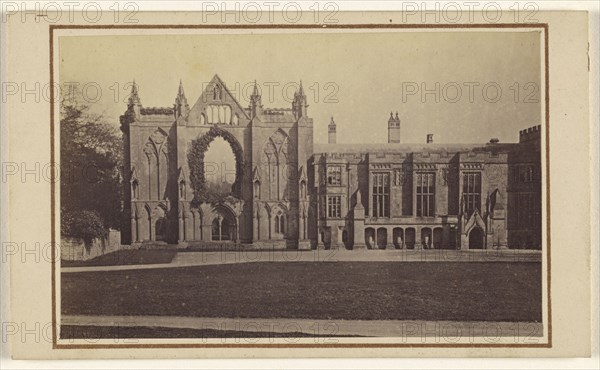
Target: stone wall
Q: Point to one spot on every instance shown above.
(74, 249)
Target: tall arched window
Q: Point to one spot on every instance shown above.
(135, 189)
(157, 163)
(257, 189)
(275, 158)
(279, 222)
(151, 155)
(282, 224)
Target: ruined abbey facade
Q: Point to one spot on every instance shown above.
(290, 193)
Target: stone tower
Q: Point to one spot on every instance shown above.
(394, 129)
(331, 130)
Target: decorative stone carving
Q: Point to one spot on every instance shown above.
(149, 150)
(444, 175)
(399, 177)
(158, 137)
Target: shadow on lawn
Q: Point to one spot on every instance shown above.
(127, 257)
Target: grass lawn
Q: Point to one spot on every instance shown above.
(127, 257)
(113, 332)
(470, 291)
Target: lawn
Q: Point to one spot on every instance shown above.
(113, 332)
(470, 291)
(127, 257)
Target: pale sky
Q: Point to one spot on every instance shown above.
(363, 75)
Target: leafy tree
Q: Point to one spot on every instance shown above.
(90, 159)
(217, 191)
(86, 225)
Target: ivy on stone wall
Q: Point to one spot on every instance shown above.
(196, 165)
(156, 110)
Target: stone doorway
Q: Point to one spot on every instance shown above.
(161, 229)
(222, 229)
(476, 238)
(382, 238)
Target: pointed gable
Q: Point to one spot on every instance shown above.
(474, 221)
(217, 105)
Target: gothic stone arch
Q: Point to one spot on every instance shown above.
(186, 132)
(196, 155)
(274, 163)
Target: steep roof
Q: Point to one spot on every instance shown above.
(205, 100)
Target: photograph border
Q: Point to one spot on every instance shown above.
(55, 345)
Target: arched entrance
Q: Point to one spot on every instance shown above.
(222, 229)
(410, 234)
(381, 238)
(161, 229)
(476, 238)
(196, 159)
(279, 225)
(157, 224)
(426, 238)
(223, 226)
(398, 238)
(370, 237)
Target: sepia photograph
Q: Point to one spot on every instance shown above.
(193, 184)
(290, 185)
